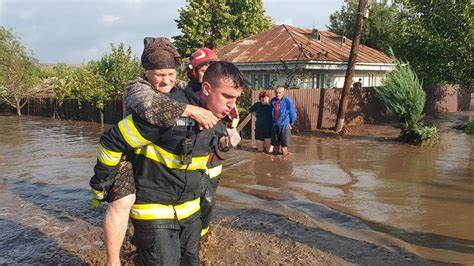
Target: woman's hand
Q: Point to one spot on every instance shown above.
(204, 117)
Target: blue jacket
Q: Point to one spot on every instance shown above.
(287, 114)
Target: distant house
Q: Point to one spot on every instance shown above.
(303, 58)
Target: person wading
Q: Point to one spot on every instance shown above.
(284, 116)
(168, 168)
(145, 96)
(263, 125)
(200, 61)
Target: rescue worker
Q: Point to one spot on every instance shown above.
(168, 168)
(200, 61)
(146, 97)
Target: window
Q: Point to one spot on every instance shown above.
(266, 81)
(260, 80)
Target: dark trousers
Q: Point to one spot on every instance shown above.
(207, 201)
(165, 246)
(281, 135)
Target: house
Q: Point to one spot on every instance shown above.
(303, 58)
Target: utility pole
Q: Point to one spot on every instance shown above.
(341, 114)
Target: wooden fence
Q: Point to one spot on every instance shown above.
(71, 110)
(317, 108)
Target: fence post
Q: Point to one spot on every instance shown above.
(101, 113)
(53, 105)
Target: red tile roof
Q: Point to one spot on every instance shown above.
(287, 43)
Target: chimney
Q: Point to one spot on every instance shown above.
(343, 40)
(315, 35)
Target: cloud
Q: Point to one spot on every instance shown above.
(109, 19)
(25, 14)
(88, 27)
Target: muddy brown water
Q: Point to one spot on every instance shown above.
(372, 190)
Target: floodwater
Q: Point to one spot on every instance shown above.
(420, 200)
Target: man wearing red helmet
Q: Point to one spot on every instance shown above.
(200, 61)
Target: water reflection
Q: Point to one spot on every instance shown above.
(424, 197)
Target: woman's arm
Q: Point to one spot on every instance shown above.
(158, 109)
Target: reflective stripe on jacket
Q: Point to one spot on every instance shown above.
(167, 173)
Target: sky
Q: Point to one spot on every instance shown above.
(76, 31)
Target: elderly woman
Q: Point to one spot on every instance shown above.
(263, 125)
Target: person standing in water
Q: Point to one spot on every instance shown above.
(284, 116)
(263, 125)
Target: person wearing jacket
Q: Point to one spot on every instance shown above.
(168, 168)
(200, 60)
(284, 116)
(263, 125)
(147, 97)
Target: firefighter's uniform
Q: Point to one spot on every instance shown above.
(214, 171)
(169, 167)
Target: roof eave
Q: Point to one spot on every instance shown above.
(312, 65)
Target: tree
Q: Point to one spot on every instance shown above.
(18, 71)
(79, 83)
(437, 39)
(98, 81)
(213, 23)
(381, 27)
(435, 36)
(116, 68)
(403, 95)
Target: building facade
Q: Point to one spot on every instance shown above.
(303, 58)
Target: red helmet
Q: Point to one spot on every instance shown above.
(201, 56)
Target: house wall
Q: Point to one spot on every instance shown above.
(310, 79)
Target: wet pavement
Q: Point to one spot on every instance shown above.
(396, 196)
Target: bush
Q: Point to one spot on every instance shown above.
(116, 68)
(469, 127)
(96, 82)
(79, 83)
(402, 94)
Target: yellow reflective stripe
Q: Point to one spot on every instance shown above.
(235, 122)
(98, 194)
(108, 157)
(131, 134)
(214, 172)
(204, 231)
(170, 160)
(159, 211)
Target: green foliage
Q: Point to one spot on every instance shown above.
(96, 82)
(381, 27)
(18, 71)
(116, 68)
(79, 83)
(469, 127)
(244, 102)
(435, 36)
(213, 23)
(402, 94)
